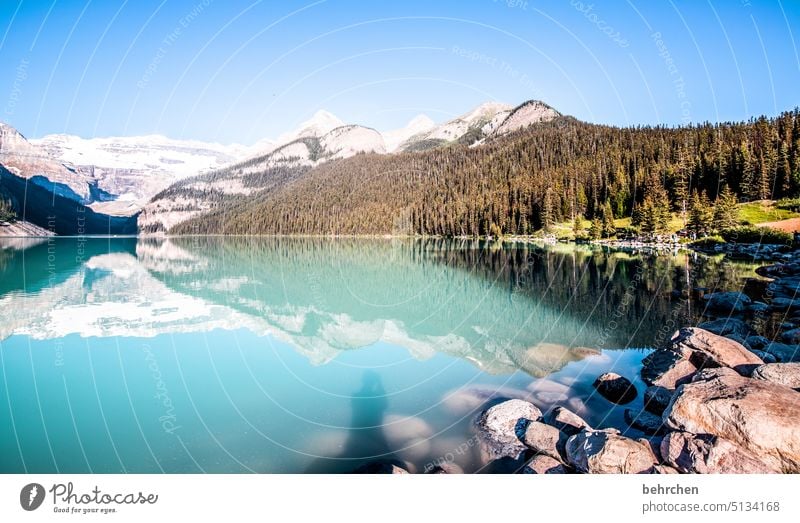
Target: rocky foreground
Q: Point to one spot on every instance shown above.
(720, 399)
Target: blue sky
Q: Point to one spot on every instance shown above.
(232, 71)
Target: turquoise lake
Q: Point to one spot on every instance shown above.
(278, 355)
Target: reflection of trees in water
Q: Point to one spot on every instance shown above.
(487, 294)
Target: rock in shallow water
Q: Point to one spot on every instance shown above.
(707, 454)
(666, 369)
(786, 374)
(615, 388)
(607, 452)
(545, 439)
(566, 421)
(761, 417)
(727, 326)
(500, 427)
(656, 399)
(644, 421)
(727, 301)
(544, 465)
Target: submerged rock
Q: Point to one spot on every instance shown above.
(500, 427)
(782, 352)
(707, 454)
(727, 326)
(566, 421)
(444, 468)
(542, 464)
(615, 388)
(644, 421)
(786, 374)
(727, 301)
(607, 452)
(758, 416)
(656, 399)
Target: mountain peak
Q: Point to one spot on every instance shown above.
(321, 123)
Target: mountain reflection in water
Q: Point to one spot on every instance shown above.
(302, 354)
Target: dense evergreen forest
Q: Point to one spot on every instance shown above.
(525, 182)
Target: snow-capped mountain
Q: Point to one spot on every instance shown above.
(418, 125)
(58, 197)
(529, 113)
(135, 168)
(468, 128)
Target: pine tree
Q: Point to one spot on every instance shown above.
(701, 214)
(577, 225)
(7, 213)
(726, 212)
(609, 229)
(596, 229)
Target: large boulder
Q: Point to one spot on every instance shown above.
(615, 388)
(791, 336)
(542, 464)
(786, 374)
(545, 439)
(707, 454)
(706, 349)
(727, 301)
(566, 421)
(500, 427)
(607, 452)
(761, 417)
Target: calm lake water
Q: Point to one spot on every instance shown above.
(309, 355)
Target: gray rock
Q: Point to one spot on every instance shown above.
(786, 374)
(545, 439)
(656, 399)
(499, 428)
(784, 304)
(644, 421)
(726, 326)
(707, 454)
(757, 342)
(783, 353)
(727, 301)
(607, 452)
(615, 388)
(758, 307)
(765, 356)
(566, 421)
(542, 464)
(791, 336)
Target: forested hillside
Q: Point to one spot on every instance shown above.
(526, 181)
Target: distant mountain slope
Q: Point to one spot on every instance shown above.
(57, 197)
(135, 168)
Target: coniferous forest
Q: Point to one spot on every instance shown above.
(525, 182)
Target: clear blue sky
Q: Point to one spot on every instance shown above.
(233, 71)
